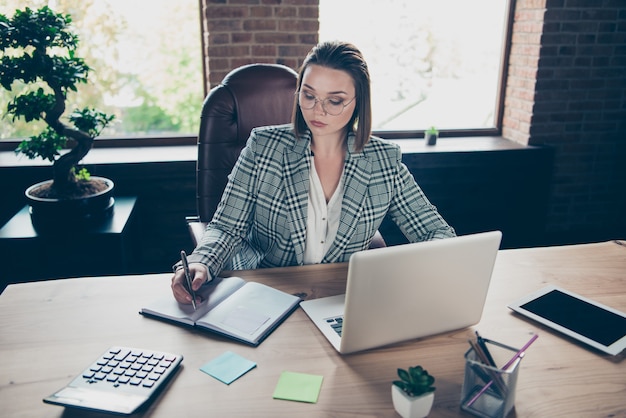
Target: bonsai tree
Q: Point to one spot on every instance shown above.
(38, 50)
(415, 381)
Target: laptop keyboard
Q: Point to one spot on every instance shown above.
(336, 323)
(127, 377)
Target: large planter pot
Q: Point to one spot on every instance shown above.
(411, 406)
(53, 214)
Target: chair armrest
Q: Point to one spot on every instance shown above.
(196, 228)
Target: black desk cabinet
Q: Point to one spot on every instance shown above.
(108, 248)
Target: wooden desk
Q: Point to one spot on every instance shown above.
(74, 320)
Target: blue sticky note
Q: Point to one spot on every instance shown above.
(228, 367)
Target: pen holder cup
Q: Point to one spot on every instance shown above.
(488, 391)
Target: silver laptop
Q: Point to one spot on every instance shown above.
(403, 292)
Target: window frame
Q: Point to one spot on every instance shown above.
(500, 93)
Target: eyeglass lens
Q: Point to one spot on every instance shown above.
(331, 105)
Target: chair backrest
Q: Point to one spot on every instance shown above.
(250, 96)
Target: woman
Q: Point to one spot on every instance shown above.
(316, 190)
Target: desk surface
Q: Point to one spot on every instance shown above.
(74, 320)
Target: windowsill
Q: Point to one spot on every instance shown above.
(458, 144)
(123, 155)
(187, 153)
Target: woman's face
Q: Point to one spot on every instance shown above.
(335, 88)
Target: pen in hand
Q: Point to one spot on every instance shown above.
(183, 258)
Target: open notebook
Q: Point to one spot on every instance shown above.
(232, 307)
(408, 291)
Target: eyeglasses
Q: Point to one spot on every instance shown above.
(332, 105)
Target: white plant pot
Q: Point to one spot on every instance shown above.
(409, 406)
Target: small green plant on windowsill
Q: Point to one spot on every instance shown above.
(431, 135)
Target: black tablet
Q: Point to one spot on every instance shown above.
(581, 318)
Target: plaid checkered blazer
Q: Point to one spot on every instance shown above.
(261, 219)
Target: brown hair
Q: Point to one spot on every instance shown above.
(345, 57)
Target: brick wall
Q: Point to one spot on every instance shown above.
(575, 104)
(239, 32)
(523, 62)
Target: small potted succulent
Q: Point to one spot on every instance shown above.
(431, 136)
(414, 393)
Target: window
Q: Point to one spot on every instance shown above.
(432, 63)
(146, 62)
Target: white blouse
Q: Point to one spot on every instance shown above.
(322, 218)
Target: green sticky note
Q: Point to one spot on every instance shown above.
(228, 367)
(299, 387)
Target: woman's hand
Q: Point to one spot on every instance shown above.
(199, 276)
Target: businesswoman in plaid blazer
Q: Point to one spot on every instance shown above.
(316, 190)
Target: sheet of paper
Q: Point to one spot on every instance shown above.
(228, 367)
(299, 387)
(245, 320)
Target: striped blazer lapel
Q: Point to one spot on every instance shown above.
(296, 177)
(357, 173)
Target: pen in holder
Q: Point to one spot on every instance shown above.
(489, 389)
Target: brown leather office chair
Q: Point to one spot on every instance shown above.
(249, 96)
